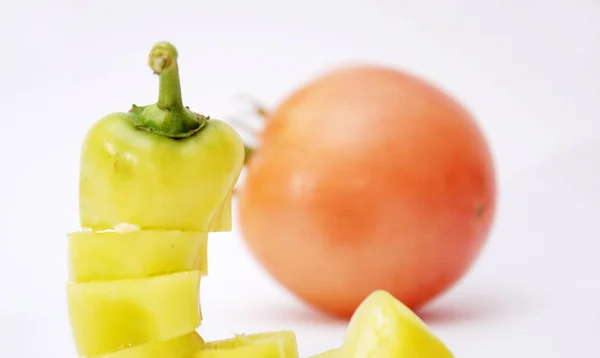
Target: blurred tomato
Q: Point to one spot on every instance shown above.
(368, 178)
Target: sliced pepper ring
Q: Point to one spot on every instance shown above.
(181, 347)
(108, 316)
(111, 255)
(277, 344)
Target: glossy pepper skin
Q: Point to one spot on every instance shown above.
(160, 166)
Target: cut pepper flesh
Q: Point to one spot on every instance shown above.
(111, 255)
(181, 347)
(222, 221)
(332, 353)
(108, 316)
(383, 327)
(280, 344)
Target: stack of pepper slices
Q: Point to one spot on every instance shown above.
(153, 183)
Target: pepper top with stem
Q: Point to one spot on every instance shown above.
(161, 166)
(167, 117)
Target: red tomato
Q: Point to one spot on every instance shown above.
(368, 178)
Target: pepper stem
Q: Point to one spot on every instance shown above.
(167, 117)
(163, 61)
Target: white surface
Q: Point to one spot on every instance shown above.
(528, 69)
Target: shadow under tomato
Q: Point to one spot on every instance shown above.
(311, 315)
(480, 306)
(291, 310)
(456, 311)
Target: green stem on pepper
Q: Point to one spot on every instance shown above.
(163, 61)
(167, 117)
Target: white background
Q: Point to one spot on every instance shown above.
(529, 70)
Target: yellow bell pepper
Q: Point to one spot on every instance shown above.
(222, 220)
(112, 255)
(181, 347)
(161, 166)
(278, 344)
(332, 353)
(112, 315)
(383, 327)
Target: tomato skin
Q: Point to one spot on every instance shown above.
(368, 179)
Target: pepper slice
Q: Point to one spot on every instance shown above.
(108, 316)
(279, 344)
(181, 347)
(160, 166)
(332, 353)
(112, 255)
(383, 327)
(222, 221)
